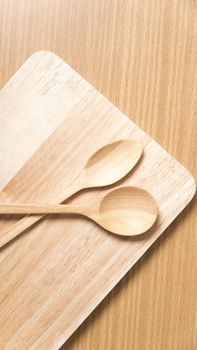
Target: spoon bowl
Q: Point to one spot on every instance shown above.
(127, 211)
(111, 163)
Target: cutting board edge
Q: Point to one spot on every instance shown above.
(123, 115)
(192, 184)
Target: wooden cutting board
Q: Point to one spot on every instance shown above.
(57, 272)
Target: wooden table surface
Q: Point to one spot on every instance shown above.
(142, 55)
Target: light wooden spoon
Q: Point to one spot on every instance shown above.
(105, 167)
(125, 210)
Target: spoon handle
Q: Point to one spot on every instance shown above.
(26, 208)
(30, 220)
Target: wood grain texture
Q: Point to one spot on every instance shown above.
(141, 55)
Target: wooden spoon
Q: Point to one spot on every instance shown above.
(105, 167)
(110, 164)
(125, 210)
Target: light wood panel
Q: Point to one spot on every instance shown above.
(141, 55)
